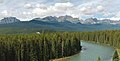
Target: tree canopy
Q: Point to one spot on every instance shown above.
(38, 47)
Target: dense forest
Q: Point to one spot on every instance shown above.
(48, 46)
(109, 37)
(38, 47)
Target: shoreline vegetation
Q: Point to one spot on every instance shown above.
(61, 59)
(106, 37)
(64, 58)
(118, 50)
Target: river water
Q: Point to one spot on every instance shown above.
(91, 51)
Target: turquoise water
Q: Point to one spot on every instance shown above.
(91, 51)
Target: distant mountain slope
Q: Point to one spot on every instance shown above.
(66, 18)
(64, 23)
(34, 26)
(7, 20)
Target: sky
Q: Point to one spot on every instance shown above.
(29, 9)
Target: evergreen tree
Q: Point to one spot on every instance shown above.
(115, 56)
(98, 59)
(38, 47)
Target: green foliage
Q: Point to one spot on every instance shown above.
(116, 56)
(47, 46)
(98, 59)
(109, 37)
(38, 47)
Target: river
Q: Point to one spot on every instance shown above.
(91, 51)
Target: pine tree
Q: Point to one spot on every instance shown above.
(115, 56)
(98, 59)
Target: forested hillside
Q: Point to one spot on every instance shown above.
(34, 26)
(47, 46)
(38, 47)
(109, 37)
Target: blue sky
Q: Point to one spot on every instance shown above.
(28, 9)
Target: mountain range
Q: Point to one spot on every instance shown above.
(66, 18)
(12, 25)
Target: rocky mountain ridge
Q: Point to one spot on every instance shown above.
(67, 19)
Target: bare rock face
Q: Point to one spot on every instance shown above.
(68, 18)
(90, 21)
(7, 20)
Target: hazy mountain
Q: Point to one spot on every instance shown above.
(50, 19)
(108, 21)
(7, 20)
(90, 21)
(50, 23)
(96, 21)
(64, 19)
(68, 18)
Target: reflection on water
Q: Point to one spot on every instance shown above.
(91, 51)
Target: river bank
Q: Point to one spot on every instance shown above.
(88, 53)
(64, 58)
(60, 59)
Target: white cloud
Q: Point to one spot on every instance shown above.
(106, 13)
(117, 14)
(58, 9)
(28, 6)
(27, 13)
(39, 11)
(115, 18)
(1, 1)
(54, 10)
(37, 5)
(100, 8)
(24, 15)
(89, 10)
(30, 9)
(63, 6)
(66, 9)
(4, 12)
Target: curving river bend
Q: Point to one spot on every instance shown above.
(91, 51)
